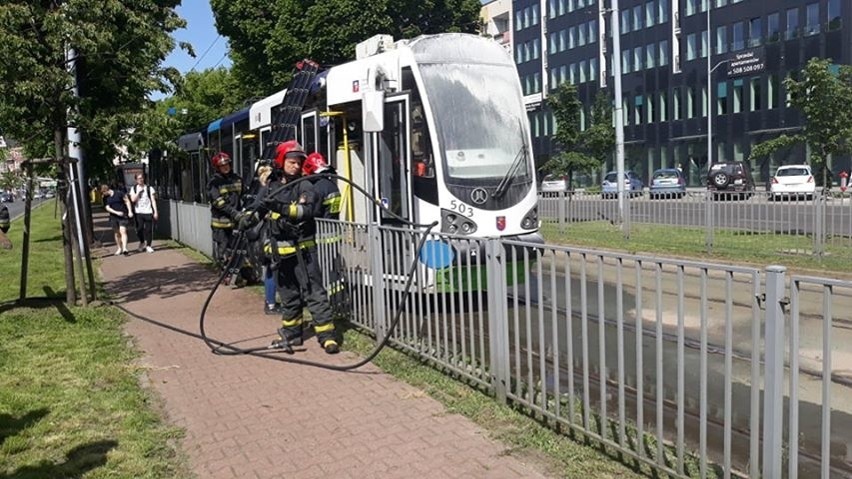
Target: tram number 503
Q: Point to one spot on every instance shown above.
(461, 208)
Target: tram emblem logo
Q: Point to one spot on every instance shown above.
(356, 86)
(479, 196)
(501, 223)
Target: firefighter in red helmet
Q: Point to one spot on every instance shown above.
(293, 252)
(224, 190)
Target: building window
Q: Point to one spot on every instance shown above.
(663, 112)
(551, 8)
(649, 14)
(650, 60)
(593, 69)
(773, 29)
(625, 61)
(812, 19)
(722, 98)
(536, 48)
(676, 110)
(535, 14)
(583, 72)
(638, 59)
(834, 14)
(519, 20)
(691, 7)
(554, 42)
(554, 78)
(755, 96)
(519, 56)
(755, 31)
(662, 11)
(704, 101)
(625, 21)
(638, 18)
(691, 103)
(563, 74)
(738, 96)
(721, 40)
(664, 53)
(562, 6)
(772, 92)
(721, 3)
(572, 37)
(582, 34)
(625, 112)
(563, 40)
(690, 47)
(593, 31)
(649, 101)
(739, 36)
(572, 73)
(638, 110)
(792, 23)
(704, 47)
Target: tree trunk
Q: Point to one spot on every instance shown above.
(70, 291)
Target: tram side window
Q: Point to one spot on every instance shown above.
(309, 140)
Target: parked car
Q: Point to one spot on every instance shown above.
(6, 197)
(733, 178)
(793, 181)
(667, 183)
(554, 183)
(633, 186)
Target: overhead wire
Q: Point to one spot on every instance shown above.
(206, 52)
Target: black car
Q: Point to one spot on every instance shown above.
(729, 178)
(6, 197)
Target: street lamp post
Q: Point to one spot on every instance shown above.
(710, 70)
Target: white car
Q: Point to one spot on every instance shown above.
(793, 181)
(553, 183)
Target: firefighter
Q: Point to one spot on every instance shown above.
(328, 192)
(224, 188)
(293, 251)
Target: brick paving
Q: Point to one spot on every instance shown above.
(247, 417)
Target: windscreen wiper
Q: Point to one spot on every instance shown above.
(510, 175)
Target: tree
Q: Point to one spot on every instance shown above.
(267, 37)
(199, 97)
(120, 47)
(581, 150)
(823, 95)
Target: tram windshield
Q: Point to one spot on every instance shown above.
(479, 117)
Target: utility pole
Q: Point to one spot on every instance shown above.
(619, 115)
(77, 190)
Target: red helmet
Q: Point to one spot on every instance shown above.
(288, 148)
(220, 159)
(315, 163)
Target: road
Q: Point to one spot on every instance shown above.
(16, 208)
(757, 214)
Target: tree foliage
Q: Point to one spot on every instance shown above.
(120, 47)
(823, 95)
(199, 98)
(267, 37)
(581, 150)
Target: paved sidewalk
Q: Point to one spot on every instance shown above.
(254, 418)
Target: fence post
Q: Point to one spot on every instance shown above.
(773, 398)
(561, 203)
(377, 265)
(708, 221)
(820, 199)
(498, 332)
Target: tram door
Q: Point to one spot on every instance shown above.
(308, 131)
(391, 160)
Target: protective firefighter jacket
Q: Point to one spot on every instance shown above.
(328, 195)
(224, 193)
(291, 218)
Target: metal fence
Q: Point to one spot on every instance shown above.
(683, 366)
(691, 368)
(188, 223)
(815, 222)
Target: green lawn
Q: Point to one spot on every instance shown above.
(728, 246)
(71, 404)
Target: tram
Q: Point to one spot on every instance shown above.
(434, 128)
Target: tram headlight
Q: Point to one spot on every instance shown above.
(530, 221)
(452, 223)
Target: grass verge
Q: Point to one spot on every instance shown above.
(527, 438)
(728, 246)
(71, 404)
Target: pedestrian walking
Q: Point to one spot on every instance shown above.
(117, 204)
(144, 200)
